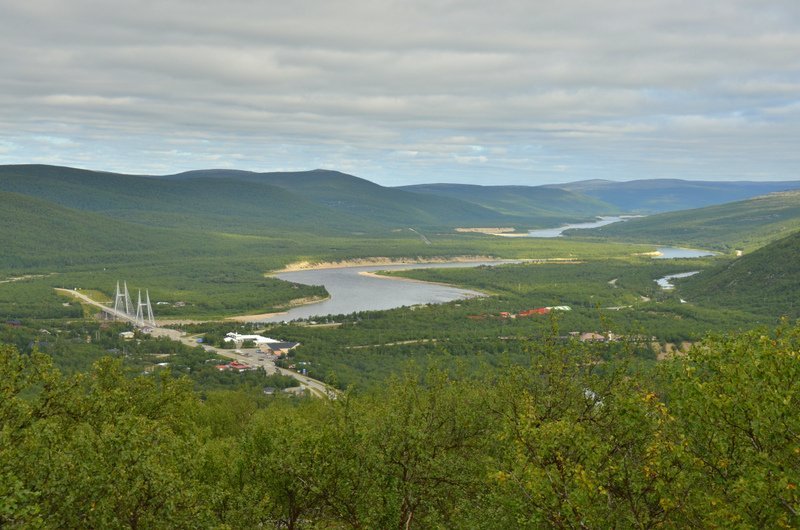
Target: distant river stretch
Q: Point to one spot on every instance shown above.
(664, 252)
(558, 232)
(352, 291)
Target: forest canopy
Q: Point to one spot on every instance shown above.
(709, 439)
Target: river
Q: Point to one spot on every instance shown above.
(664, 252)
(676, 252)
(352, 291)
(558, 232)
(665, 283)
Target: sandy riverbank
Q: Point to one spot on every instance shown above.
(493, 231)
(414, 280)
(294, 303)
(376, 261)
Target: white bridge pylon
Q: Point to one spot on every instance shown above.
(123, 307)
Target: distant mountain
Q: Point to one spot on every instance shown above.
(330, 202)
(766, 281)
(358, 197)
(664, 195)
(743, 225)
(208, 204)
(319, 201)
(538, 202)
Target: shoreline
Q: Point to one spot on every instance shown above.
(414, 280)
(376, 261)
(260, 317)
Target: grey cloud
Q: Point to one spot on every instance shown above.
(620, 89)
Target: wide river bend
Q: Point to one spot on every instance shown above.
(353, 291)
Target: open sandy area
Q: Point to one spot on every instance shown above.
(503, 232)
(368, 262)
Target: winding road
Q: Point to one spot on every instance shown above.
(315, 388)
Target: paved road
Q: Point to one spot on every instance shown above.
(315, 388)
(251, 357)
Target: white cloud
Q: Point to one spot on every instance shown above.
(408, 91)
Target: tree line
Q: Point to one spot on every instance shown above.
(571, 440)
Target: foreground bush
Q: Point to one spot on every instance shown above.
(711, 439)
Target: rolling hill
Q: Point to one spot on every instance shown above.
(765, 281)
(203, 203)
(319, 201)
(37, 233)
(354, 196)
(664, 195)
(539, 203)
(745, 225)
(331, 202)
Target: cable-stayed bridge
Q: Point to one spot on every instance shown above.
(135, 317)
(123, 309)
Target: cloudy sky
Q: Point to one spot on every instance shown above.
(500, 92)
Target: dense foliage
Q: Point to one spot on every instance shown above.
(570, 440)
(764, 281)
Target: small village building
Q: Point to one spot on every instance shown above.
(532, 312)
(279, 348)
(234, 366)
(258, 340)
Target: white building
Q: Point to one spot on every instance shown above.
(257, 339)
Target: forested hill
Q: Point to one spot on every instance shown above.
(521, 200)
(236, 201)
(743, 225)
(37, 233)
(354, 196)
(664, 195)
(207, 204)
(765, 281)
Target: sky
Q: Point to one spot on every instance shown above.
(403, 92)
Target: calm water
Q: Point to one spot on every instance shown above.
(665, 283)
(351, 291)
(558, 232)
(666, 252)
(675, 252)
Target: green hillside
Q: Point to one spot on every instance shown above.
(538, 203)
(355, 196)
(254, 203)
(37, 233)
(665, 195)
(766, 281)
(203, 203)
(743, 225)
